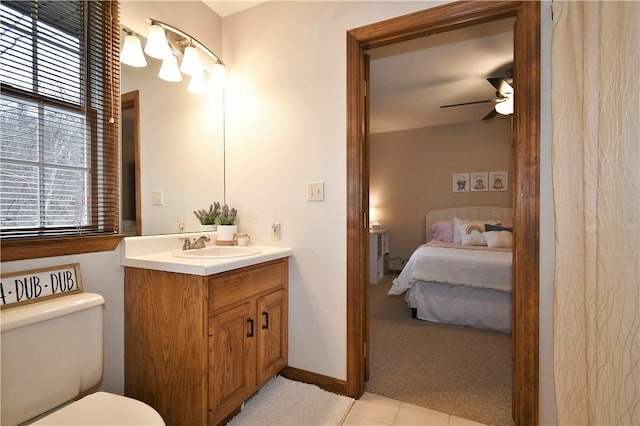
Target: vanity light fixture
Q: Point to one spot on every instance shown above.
(169, 71)
(198, 85)
(132, 51)
(170, 43)
(157, 46)
(218, 78)
(191, 64)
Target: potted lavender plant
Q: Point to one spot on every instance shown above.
(225, 219)
(207, 218)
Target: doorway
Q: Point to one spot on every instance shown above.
(130, 165)
(526, 182)
(416, 145)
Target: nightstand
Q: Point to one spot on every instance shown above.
(378, 251)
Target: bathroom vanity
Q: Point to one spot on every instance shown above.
(202, 335)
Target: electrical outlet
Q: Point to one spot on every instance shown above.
(275, 231)
(315, 191)
(156, 197)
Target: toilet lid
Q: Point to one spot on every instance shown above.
(102, 408)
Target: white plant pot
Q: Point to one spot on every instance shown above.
(226, 233)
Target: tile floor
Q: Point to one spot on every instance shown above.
(373, 410)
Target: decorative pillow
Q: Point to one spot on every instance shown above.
(489, 227)
(442, 231)
(474, 238)
(498, 239)
(471, 225)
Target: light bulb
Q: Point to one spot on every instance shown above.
(191, 62)
(218, 77)
(132, 52)
(169, 70)
(505, 107)
(157, 45)
(198, 85)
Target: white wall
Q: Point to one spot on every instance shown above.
(286, 125)
(181, 134)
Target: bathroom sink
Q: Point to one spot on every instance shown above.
(217, 252)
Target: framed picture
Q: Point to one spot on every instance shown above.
(498, 181)
(460, 182)
(479, 181)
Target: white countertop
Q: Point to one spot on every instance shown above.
(154, 252)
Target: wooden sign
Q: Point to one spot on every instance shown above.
(20, 288)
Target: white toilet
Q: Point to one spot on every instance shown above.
(52, 353)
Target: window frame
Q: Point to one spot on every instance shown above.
(30, 247)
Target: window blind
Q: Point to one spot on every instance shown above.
(59, 109)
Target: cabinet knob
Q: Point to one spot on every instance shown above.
(265, 314)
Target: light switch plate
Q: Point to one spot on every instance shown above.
(315, 191)
(156, 197)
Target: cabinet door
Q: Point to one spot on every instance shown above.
(231, 359)
(272, 335)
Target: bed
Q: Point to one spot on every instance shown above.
(466, 281)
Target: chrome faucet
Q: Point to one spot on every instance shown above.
(196, 244)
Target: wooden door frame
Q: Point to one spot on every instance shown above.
(132, 100)
(526, 182)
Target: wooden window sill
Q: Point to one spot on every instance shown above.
(32, 248)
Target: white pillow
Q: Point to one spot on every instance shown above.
(470, 225)
(498, 239)
(475, 238)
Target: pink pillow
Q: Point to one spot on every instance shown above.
(442, 231)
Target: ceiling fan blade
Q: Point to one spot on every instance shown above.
(501, 86)
(490, 115)
(466, 103)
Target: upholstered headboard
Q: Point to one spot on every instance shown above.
(503, 214)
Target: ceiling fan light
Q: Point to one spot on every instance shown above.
(132, 52)
(505, 107)
(157, 45)
(191, 64)
(169, 70)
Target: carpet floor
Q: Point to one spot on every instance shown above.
(286, 402)
(452, 369)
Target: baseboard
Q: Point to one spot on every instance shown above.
(327, 383)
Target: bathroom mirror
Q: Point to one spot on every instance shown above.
(180, 162)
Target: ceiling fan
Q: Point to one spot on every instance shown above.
(503, 101)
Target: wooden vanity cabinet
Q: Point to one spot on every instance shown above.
(197, 347)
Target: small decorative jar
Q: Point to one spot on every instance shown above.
(241, 239)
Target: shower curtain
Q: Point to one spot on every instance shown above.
(596, 183)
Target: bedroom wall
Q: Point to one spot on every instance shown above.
(411, 173)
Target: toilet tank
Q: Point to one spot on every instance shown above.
(51, 352)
